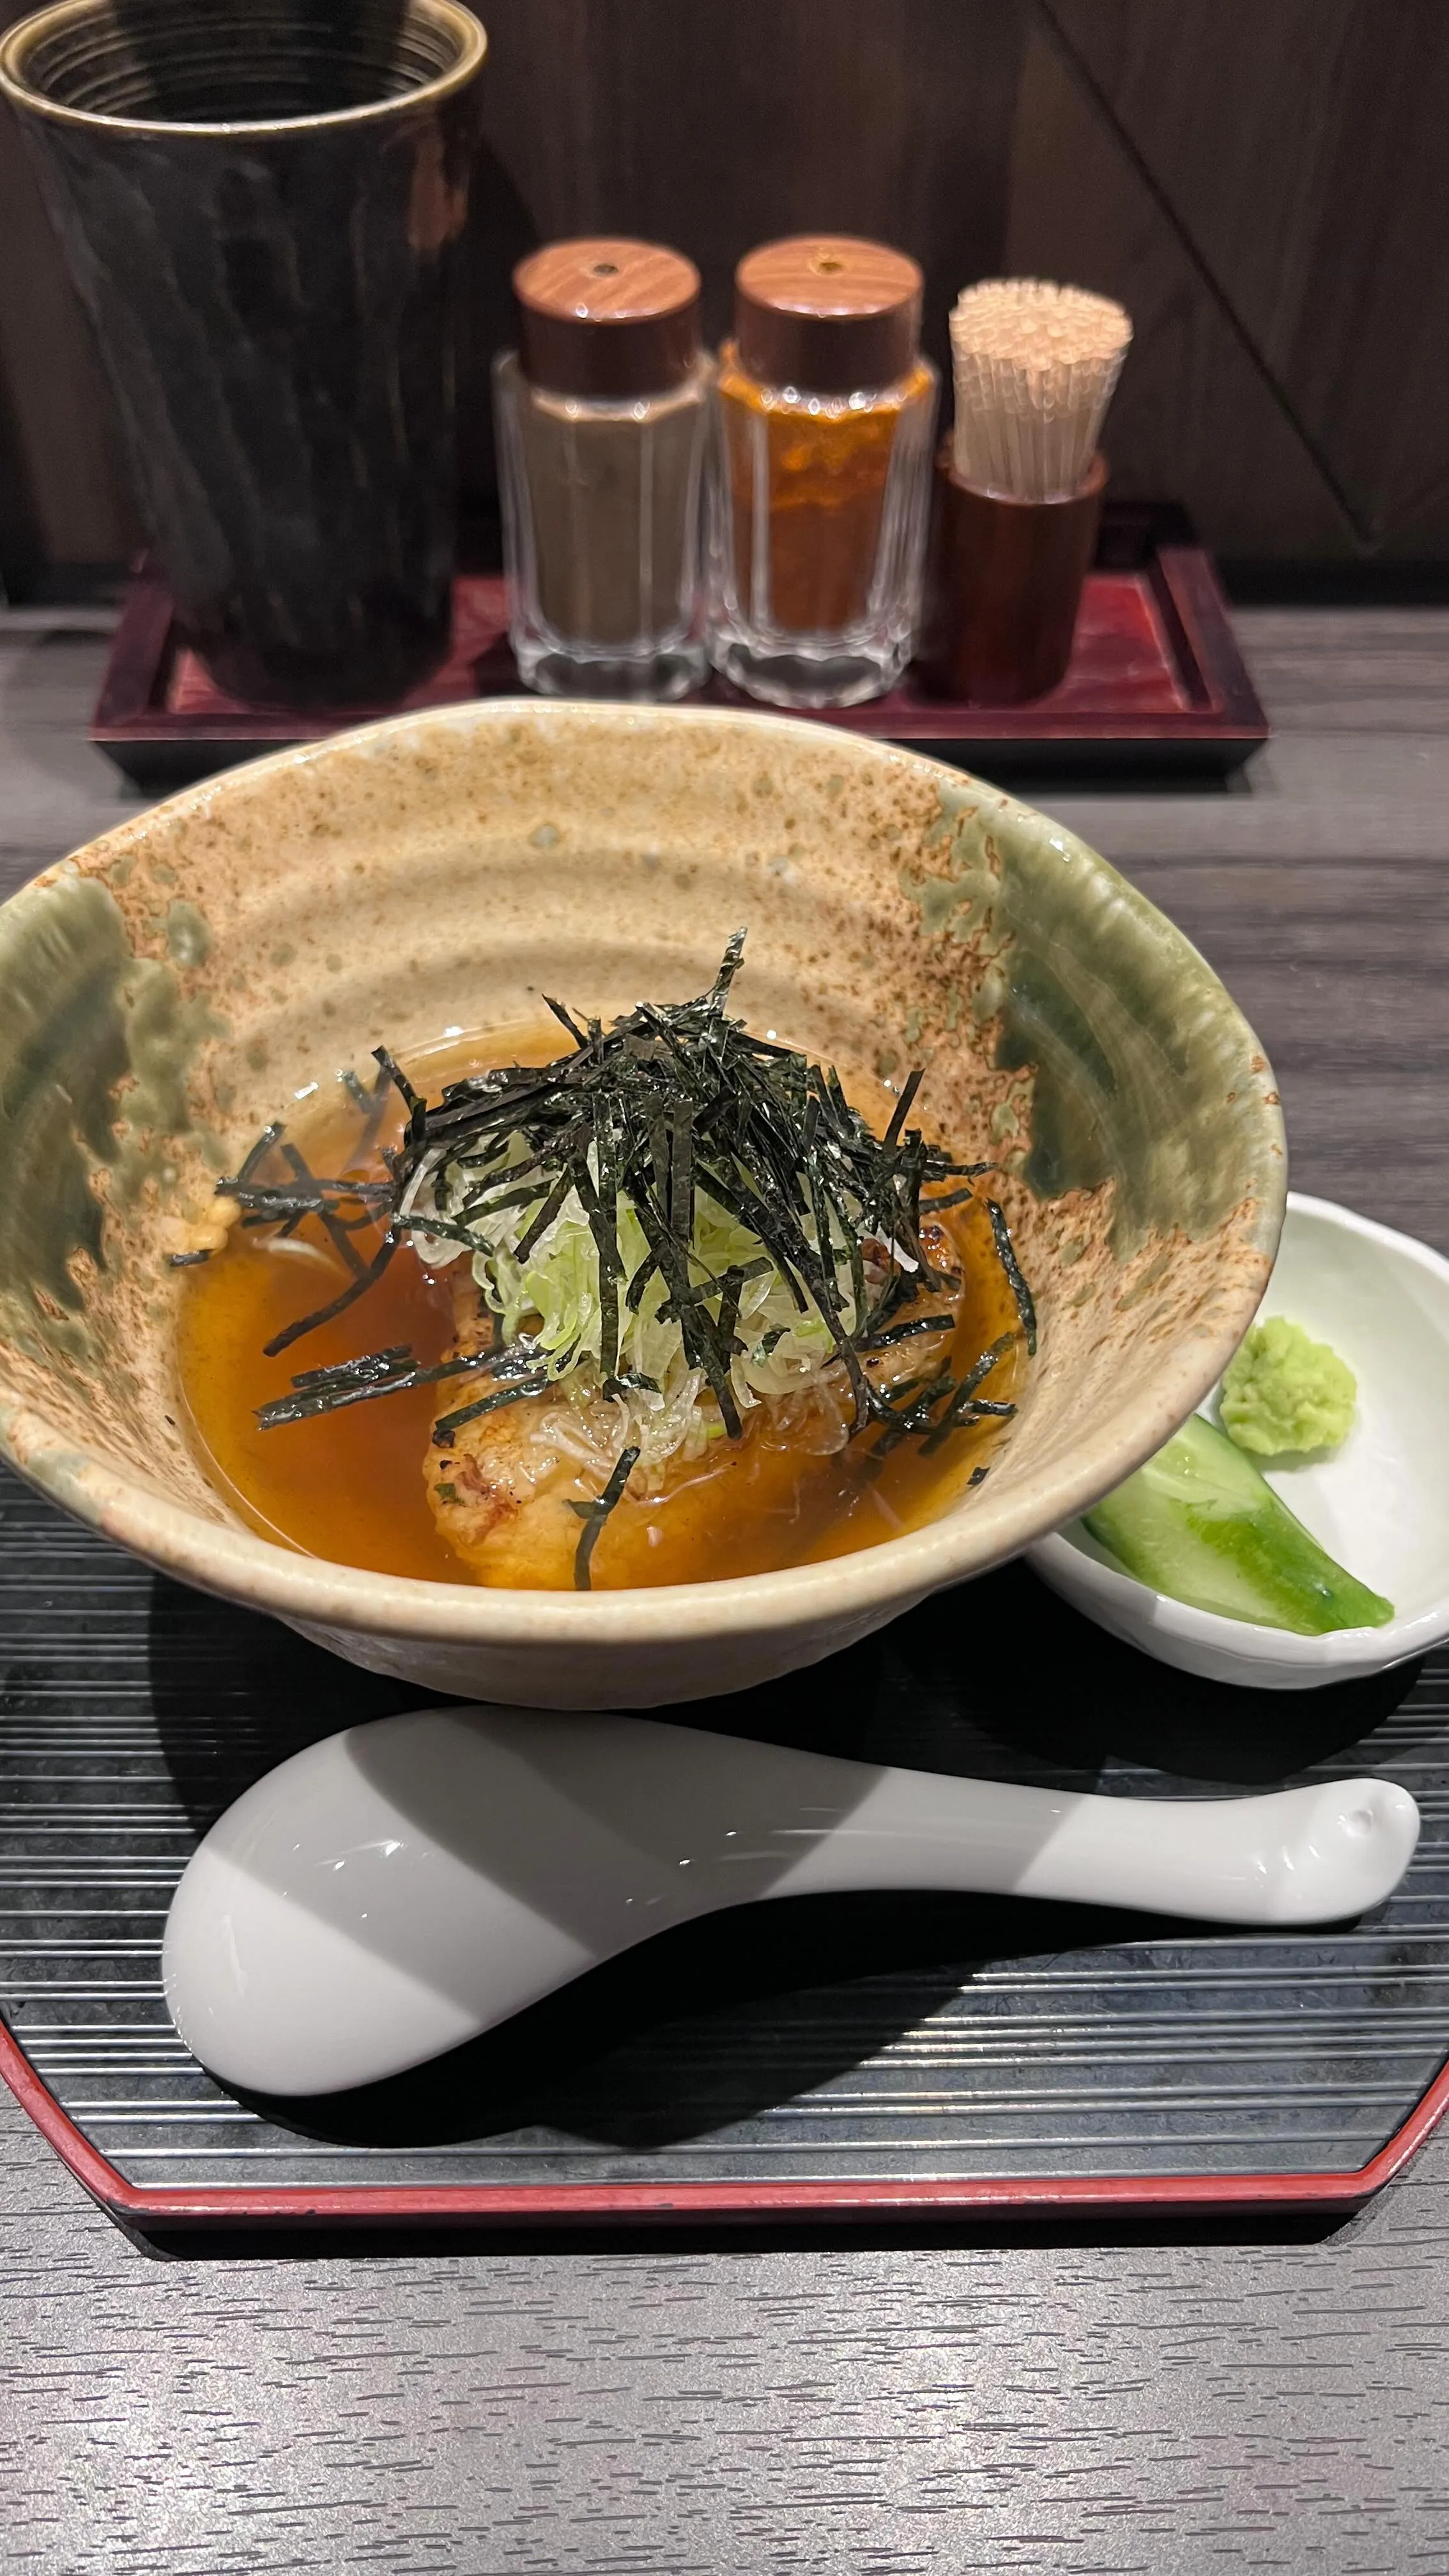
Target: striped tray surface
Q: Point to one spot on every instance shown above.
(856, 2037)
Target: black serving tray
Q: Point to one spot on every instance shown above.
(835, 2056)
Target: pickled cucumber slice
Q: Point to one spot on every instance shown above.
(1199, 1523)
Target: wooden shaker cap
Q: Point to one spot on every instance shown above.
(828, 313)
(607, 317)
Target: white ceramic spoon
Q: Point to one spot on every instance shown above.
(406, 1885)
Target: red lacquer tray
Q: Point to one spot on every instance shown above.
(1156, 680)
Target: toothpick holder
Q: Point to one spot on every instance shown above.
(1003, 585)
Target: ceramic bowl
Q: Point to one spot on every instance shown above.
(1380, 1504)
(167, 991)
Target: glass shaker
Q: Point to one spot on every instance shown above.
(603, 417)
(826, 410)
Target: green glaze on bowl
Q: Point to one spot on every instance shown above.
(97, 1055)
(1097, 998)
(168, 990)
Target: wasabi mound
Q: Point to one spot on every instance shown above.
(1285, 1394)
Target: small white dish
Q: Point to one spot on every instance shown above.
(1380, 1505)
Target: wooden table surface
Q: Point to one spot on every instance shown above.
(1036, 2401)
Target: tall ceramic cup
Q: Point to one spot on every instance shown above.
(260, 202)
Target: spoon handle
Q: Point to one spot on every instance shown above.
(1295, 1856)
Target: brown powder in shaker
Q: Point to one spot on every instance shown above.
(609, 428)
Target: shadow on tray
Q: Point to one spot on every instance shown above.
(721, 2020)
(710, 2026)
(949, 1687)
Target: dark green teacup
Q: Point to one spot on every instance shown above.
(260, 202)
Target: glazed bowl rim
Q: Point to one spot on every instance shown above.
(18, 42)
(237, 1563)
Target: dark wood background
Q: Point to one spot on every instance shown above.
(1262, 182)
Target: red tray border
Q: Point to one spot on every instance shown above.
(496, 2204)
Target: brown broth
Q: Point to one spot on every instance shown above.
(349, 1486)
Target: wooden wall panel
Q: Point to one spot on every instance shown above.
(1298, 147)
(1260, 180)
(1194, 418)
(721, 123)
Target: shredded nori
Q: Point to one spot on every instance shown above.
(1006, 1255)
(358, 1381)
(444, 1432)
(673, 1103)
(965, 1398)
(593, 1515)
(905, 1332)
(357, 1287)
